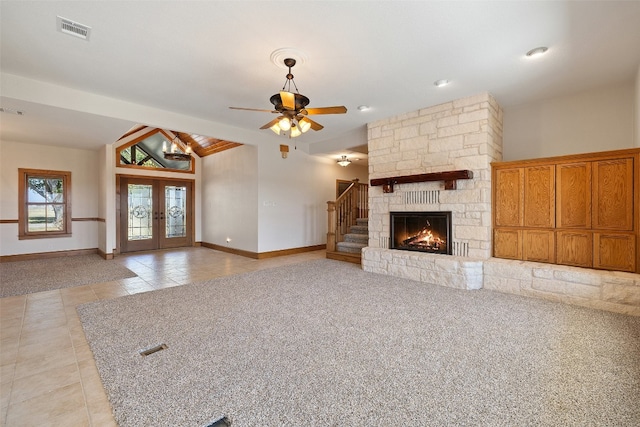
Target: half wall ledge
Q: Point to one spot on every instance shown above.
(449, 177)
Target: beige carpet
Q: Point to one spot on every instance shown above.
(26, 277)
(325, 344)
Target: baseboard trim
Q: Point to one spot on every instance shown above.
(344, 256)
(263, 255)
(47, 255)
(105, 255)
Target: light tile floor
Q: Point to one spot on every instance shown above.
(48, 376)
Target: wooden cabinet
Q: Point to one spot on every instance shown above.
(579, 210)
(539, 196)
(614, 251)
(509, 197)
(575, 248)
(573, 195)
(507, 243)
(613, 194)
(539, 245)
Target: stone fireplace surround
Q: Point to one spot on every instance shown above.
(466, 134)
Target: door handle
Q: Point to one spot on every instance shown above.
(155, 215)
(161, 215)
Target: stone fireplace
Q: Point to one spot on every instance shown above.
(465, 134)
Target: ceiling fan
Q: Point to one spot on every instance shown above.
(293, 110)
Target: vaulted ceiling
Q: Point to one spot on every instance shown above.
(200, 144)
(180, 64)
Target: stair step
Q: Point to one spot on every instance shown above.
(350, 247)
(362, 221)
(344, 256)
(356, 238)
(359, 229)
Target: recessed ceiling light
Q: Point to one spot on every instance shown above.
(363, 107)
(441, 83)
(537, 51)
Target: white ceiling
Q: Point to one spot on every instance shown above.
(158, 63)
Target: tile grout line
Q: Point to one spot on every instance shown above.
(73, 345)
(15, 361)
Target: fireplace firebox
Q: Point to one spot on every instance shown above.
(421, 231)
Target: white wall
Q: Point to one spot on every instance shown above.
(293, 195)
(597, 120)
(82, 164)
(230, 198)
(265, 203)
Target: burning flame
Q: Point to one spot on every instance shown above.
(425, 238)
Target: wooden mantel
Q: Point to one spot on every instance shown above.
(449, 177)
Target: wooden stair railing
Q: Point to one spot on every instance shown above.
(352, 204)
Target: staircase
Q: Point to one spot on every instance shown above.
(351, 247)
(348, 227)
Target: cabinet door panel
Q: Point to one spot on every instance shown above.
(614, 251)
(613, 194)
(509, 189)
(539, 246)
(507, 244)
(573, 195)
(539, 196)
(574, 248)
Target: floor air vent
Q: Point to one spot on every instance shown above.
(220, 422)
(151, 350)
(70, 27)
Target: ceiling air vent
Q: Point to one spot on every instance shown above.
(68, 26)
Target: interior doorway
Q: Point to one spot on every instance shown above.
(154, 213)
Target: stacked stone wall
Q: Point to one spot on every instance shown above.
(461, 134)
(606, 290)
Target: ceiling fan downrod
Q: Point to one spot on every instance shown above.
(290, 62)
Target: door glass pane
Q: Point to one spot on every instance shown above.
(140, 201)
(175, 207)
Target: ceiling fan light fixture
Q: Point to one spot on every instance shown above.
(284, 124)
(304, 125)
(276, 129)
(291, 104)
(344, 162)
(295, 131)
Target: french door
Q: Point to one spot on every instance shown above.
(155, 214)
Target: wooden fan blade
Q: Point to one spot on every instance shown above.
(253, 109)
(327, 110)
(288, 100)
(314, 125)
(271, 123)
